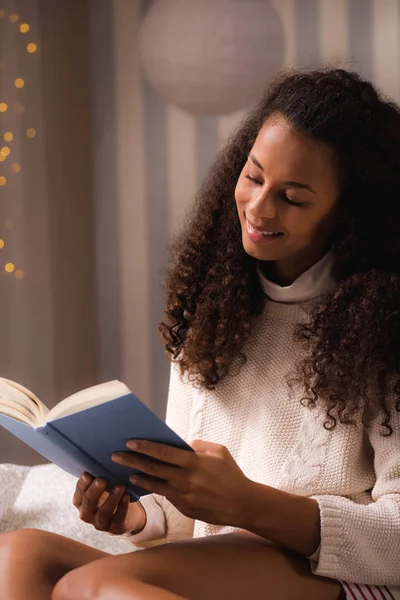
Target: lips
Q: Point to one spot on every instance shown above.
(261, 230)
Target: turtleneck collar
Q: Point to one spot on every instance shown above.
(309, 285)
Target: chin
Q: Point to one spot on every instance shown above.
(259, 252)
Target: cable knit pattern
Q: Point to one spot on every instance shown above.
(353, 472)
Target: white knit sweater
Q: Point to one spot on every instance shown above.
(353, 473)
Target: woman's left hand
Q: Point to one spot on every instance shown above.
(206, 484)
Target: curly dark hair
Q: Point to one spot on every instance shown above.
(353, 335)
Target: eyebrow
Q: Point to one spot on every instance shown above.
(294, 184)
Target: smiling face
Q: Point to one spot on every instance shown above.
(286, 197)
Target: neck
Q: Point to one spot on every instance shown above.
(284, 272)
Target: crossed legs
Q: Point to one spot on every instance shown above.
(44, 566)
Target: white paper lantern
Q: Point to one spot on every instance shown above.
(210, 56)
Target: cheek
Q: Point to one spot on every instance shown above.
(242, 198)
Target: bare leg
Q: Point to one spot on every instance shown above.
(32, 561)
(132, 590)
(223, 567)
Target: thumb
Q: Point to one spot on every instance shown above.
(203, 447)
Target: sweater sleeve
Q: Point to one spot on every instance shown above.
(164, 522)
(361, 543)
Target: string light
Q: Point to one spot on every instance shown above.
(8, 136)
(9, 267)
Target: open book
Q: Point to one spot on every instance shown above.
(81, 432)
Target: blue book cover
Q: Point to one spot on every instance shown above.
(84, 440)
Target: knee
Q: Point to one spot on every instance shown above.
(79, 584)
(103, 579)
(19, 541)
(86, 583)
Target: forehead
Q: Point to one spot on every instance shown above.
(280, 148)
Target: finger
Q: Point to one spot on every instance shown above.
(82, 485)
(118, 520)
(102, 499)
(168, 454)
(155, 486)
(90, 500)
(147, 465)
(104, 514)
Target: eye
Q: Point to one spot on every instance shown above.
(256, 181)
(289, 201)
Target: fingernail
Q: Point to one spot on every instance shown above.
(132, 445)
(117, 490)
(115, 457)
(132, 479)
(99, 483)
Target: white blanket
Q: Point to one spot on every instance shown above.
(41, 497)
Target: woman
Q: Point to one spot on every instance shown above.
(283, 323)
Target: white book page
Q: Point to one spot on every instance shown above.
(97, 394)
(20, 403)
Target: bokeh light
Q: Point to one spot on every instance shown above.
(9, 267)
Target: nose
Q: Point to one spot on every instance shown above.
(263, 207)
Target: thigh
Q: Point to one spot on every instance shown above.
(222, 567)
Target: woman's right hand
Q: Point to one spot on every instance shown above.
(111, 512)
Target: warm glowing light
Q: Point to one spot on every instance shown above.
(19, 274)
(2, 244)
(31, 48)
(5, 150)
(3, 180)
(9, 267)
(2, 13)
(19, 83)
(31, 132)
(8, 136)
(2, 157)
(24, 28)
(3, 107)
(9, 224)
(14, 18)
(16, 167)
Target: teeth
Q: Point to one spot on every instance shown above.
(263, 232)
